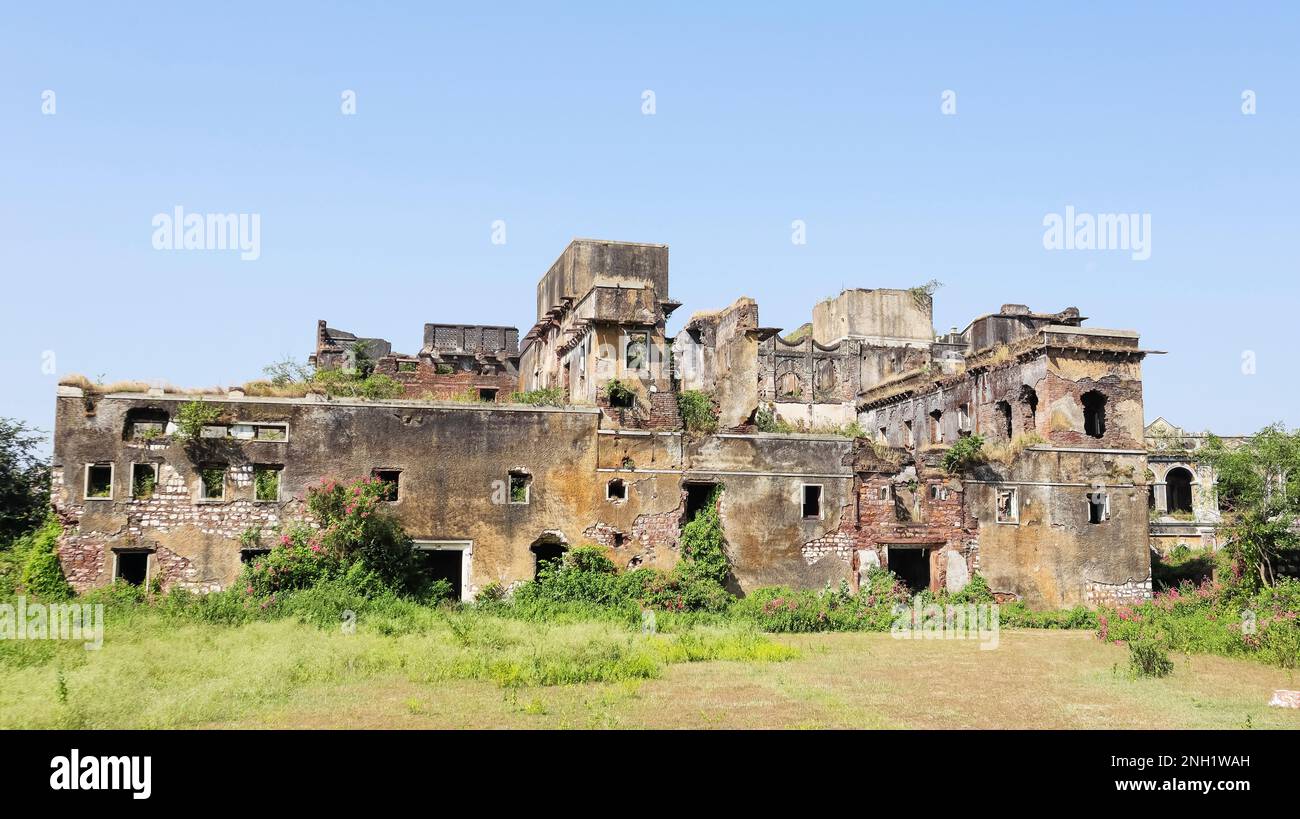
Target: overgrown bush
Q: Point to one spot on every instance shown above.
(192, 417)
(703, 544)
(1219, 617)
(353, 536)
(619, 394)
(1181, 564)
(42, 576)
(697, 411)
(1018, 615)
(343, 384)
(24, 480)
(1149, 657)
(549, 397)
(766, 421)
(966, 452)
(781, 609)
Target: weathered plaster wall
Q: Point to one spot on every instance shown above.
(1053, 557)
(454, 462)
(882, 314)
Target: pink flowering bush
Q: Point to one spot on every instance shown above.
(1215, 618)
(351, 535)
(781, 609)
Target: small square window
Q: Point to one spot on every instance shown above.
(266, 482)
(883, 493)
(487, 394)
(390, 479)
(407, 366)
(521, 485)
(1008, 506)
(812, 501)
(99, 481)
(212, 483)
(144, 481)
(249, 555)
(616, 490)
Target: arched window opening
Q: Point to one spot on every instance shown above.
(1178, 490)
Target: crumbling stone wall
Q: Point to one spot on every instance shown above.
(717, 353)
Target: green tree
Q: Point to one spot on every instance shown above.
(24, 479)
(1259, 490)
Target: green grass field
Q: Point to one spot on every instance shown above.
(473, 670)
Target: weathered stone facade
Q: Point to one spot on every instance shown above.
(1056, 514)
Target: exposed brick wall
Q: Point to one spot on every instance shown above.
(649, 536)
(86, 554)
(942, 524)
(426, 382)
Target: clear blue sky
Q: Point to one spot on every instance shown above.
(381, 221)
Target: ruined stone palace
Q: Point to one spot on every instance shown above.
(867, 396)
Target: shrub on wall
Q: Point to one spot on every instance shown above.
(550, 397)
(703, 544)
(698, 413)
(966, 452)
(354, 535)
(619, 394)
(191, 418)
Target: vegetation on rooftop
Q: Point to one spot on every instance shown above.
(548, 397)
(699, 414)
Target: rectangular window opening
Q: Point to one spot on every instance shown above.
(1098, 507)
(521, 485)
(638, 345)
(812, 501)
(272, 432)
(99, 481)
(391, 480)
(616, 490)
(212, 483)
(445, 561)
(144, 481)
(1008, 509)
(266, 482)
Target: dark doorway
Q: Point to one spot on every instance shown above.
(912, 567)
(698, 496)
(547, 551)
(442, 564)
(1178, 486)
(133, 567)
